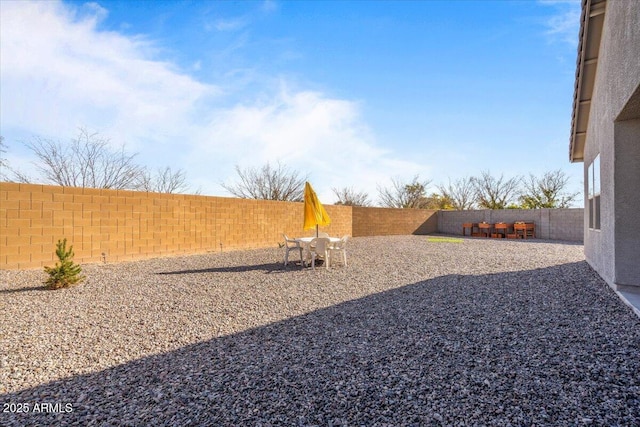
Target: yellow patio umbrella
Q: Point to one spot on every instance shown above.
(314, 213)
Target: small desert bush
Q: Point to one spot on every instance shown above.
(66, 272)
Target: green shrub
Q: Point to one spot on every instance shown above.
(66, 272)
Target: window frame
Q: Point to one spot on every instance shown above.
(593, 193)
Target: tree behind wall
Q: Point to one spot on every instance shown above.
(268, 183)
(3, 162)
(88, 161)
(546, 191)
(412, 195)
(437, 202)
(7, 173)
(494, 193)
(165, 180)
(347, 196)
(460, 193)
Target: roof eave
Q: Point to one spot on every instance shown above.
(591, 22)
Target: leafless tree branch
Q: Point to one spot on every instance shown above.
(404, 195)
(494, 193)
(460, 193)
(164, 180)
(349, 197)
(87, 161)
(268, 183)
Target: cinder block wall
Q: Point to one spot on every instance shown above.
(553, 224)
(388, 221)
(566, 224)
(127, 225)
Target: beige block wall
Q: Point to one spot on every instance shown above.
(128, 225)
(388, 221)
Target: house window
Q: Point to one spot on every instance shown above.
(593, 184)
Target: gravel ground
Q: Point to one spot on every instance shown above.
(412, 332)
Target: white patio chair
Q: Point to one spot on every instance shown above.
(319, 249)
(322, 234)
(290, 245)
(340, 248)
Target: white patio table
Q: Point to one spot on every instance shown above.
(304, 242)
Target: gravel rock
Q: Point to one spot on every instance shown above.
(411, 332)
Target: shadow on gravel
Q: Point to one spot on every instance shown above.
(267, 268)
(27, 289)
(552, 346)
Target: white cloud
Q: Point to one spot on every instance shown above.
(241, 21)
(565, 23)
(307, 131)
(96, 11)
(226, 24)
(60, 71)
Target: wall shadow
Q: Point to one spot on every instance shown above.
(429, 226)
(272, 267)
(551, 346)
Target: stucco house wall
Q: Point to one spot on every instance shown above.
(613, 250)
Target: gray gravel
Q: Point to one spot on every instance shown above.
(412, 332)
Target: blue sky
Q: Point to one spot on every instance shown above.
(351, 93)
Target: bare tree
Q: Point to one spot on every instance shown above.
(492, 193)
(3, 162)
(164, 180)
(404, 195)
(546, 191)
(5, 168)
(268, 183)
(87, 162)
(349, 197)
(19, 176)
(461, 193)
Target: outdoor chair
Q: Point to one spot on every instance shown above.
(319, 249)
(341, 249)
(291, 245)
(322, 234)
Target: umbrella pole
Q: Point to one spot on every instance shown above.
(316, 230)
